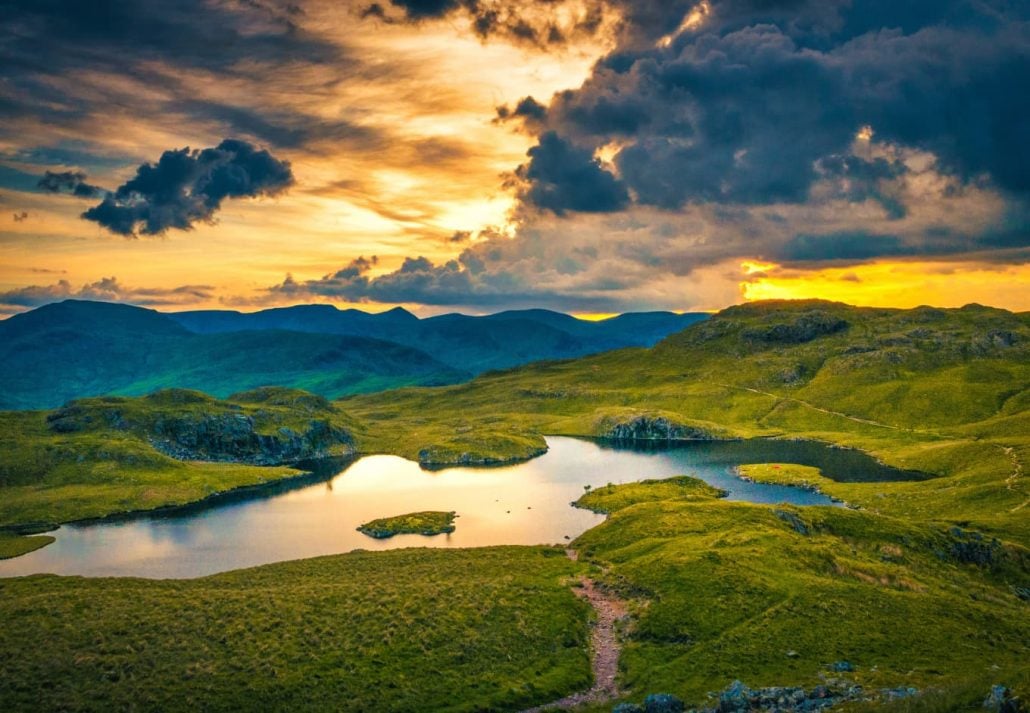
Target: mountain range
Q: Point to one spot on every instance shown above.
(77, 348)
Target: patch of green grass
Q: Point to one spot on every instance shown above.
(612, 498)
(428, 522)
(13, 546)
(456, 630)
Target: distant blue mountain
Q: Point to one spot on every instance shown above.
(464, 342)
(78, 348)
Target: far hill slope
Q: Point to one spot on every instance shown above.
(75, 349)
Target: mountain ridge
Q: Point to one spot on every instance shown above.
(80, 348)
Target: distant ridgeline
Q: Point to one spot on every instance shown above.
(74, 349)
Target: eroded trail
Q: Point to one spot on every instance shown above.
(604, 647)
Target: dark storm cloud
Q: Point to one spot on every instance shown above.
(528, 110)
(764, 99)
(845, 246)
(857, 179)
(58, 35)
(534, 22)
(156, 44)
(186, 186)
(420, 9)
(73, 182)
(561, 176)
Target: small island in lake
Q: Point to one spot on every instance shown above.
(429, 522)
(612, 498)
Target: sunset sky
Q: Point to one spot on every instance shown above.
(590, 156)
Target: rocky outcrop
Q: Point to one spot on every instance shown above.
(792, 519)
(233, 438)
(76, 416)
(1001, 699)
(655, 428)
(971, 547)
(804, 328)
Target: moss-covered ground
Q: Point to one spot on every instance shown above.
(101, 459)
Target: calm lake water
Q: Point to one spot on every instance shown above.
(523, 504)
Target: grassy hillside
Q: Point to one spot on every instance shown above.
(108, 455)
(465, 630)
(774, 596)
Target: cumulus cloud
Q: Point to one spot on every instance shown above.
(187, 186)
(73, 182)
(743, 108)
(107, 289)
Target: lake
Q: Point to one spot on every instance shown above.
(521, 504)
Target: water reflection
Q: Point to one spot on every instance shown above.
(527, 503)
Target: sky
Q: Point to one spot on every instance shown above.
(588, 156)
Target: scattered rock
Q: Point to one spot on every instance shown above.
(792, 519)
(738, 698)
(628, 708)
(843, 666)
(1001, 700)
(896, 694)
(973, 548)
(793, 374)
(663, 703)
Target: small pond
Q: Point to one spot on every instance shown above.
(522, 504)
